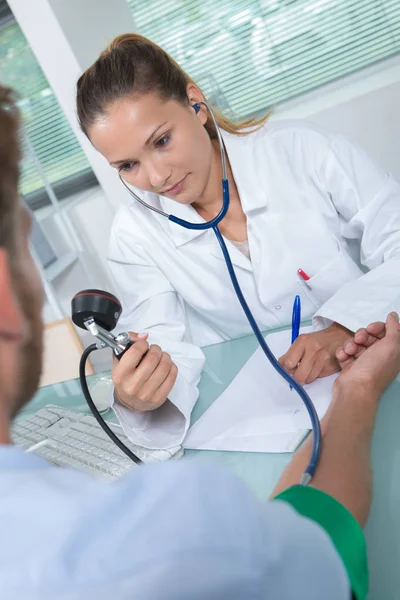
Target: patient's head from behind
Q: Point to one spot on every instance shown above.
(21, 293)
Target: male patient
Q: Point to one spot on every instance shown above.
(183, 530)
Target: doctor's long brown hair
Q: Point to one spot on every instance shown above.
(133, 66)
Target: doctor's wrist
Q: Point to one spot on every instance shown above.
(341, 330)
(139, 404)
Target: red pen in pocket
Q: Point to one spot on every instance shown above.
(303, 275)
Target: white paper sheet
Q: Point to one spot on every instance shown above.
(258, 412)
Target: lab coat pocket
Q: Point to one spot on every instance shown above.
(324, 284)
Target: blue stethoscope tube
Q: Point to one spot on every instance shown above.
(213, 224)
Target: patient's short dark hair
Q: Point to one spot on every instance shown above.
(9, 167)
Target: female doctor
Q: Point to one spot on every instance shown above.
(301, 198)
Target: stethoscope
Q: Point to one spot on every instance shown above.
(213, 224)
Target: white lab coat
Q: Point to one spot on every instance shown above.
(313, 201)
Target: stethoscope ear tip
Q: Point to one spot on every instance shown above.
(196, 107)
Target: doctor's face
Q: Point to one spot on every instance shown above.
(159, 146)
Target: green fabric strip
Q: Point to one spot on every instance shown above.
(344, 531)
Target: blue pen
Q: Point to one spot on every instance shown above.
(296, 319)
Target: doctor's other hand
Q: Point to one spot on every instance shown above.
(378, 364)
(144, 376)
(313, 355)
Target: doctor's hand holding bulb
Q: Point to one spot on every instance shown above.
(144, 376)
(301, 198)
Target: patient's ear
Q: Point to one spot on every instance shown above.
(11, 320)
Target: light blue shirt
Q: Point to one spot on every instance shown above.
(176, 531)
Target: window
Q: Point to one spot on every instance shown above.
(248, 55)
(49, 133)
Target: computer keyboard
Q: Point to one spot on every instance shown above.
(71, 439)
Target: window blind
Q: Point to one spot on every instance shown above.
(62, 159)
(248, 55)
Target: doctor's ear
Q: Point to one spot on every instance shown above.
(195, 98)
(200, 110)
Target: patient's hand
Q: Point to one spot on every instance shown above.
(356, 345)
(373, 365)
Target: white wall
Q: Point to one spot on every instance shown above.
(99, 22)
(365, 107)
(373, 120)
